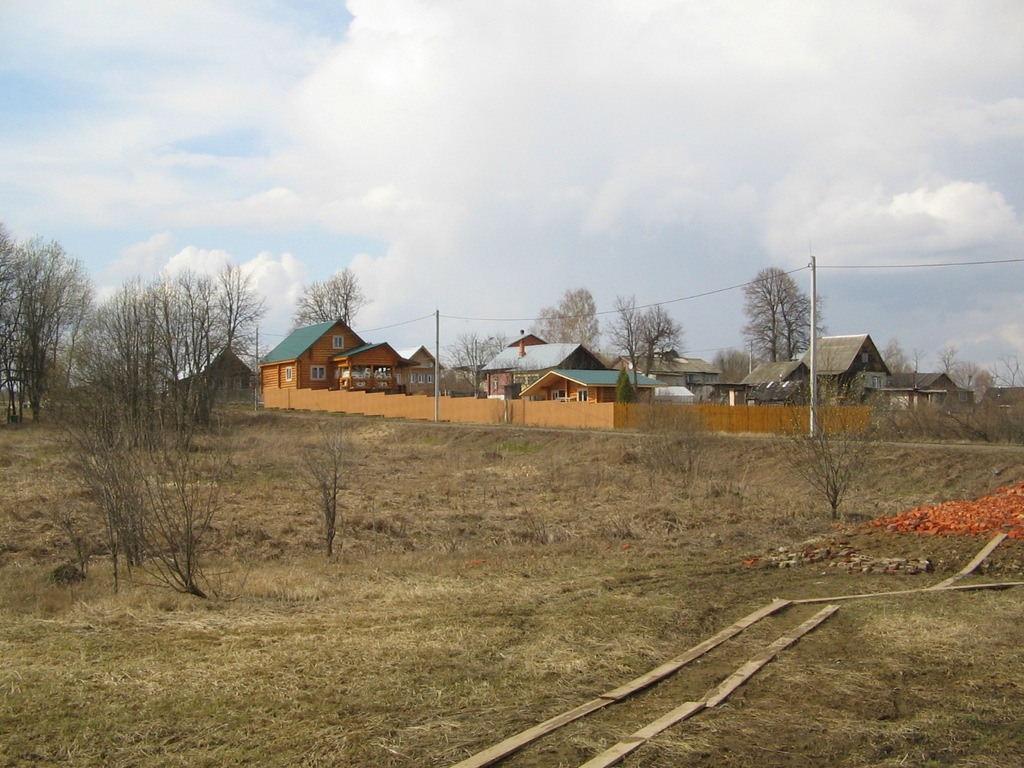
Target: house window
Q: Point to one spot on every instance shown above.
(864, 358)
(429, 377)
(558, 394)
(339, 342)
(876, 382)
(317, 372)
(288, 373)
(581, 395)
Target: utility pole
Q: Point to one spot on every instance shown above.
(814, 347)
(437, 366)
(258, 381)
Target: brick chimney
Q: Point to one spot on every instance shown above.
(522, 343)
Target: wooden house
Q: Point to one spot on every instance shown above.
(780, 383)
(849, 366)
(528, 358)
(594, 386)
(669, 367)
(909, 390)
(419, 376)
(333, 356)
(231, 378)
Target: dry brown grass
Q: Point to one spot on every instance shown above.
(489, 578)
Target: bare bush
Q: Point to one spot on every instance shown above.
(831, 457)
(324, 462)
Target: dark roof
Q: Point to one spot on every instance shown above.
(771, 373)
(920, 381)
(297, 342)
(836, 354)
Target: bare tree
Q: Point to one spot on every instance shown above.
(339, 297)
(831, 458)
(573, 321)
(1008, 371)
(948, 359)
(182, 495)
(325, 462)
(658, 333)
(641, 333)
(733, 363)
(625, 333)
(470, 353)
(50, 300)
(778, 316)
(240, 306)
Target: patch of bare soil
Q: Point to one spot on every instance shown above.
(488, 578)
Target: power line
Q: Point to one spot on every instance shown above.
(921, 266)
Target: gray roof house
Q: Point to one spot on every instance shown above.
(521, 364)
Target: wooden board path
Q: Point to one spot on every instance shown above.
(978, 560)
(518, 741)
(712, 698)
(521, 739)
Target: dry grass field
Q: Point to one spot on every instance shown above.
(486, 579)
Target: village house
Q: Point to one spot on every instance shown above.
(669, 367)
(332, 356)
(528, 358)
(910, 390)
(849, 367)
(581, 386)
(419, 377)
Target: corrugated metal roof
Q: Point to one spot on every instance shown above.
(359, 349)
(297, 342)
(537, 357)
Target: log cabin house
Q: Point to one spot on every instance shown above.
(586, 386)
(333, 356)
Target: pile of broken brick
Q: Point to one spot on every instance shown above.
(842, 556)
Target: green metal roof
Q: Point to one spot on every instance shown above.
(590, 379)
(357, 350)
(607, 378)
(297, 342)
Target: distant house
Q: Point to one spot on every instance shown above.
(783, 383)
(909, 390)
(669, 367)
(1004, 397)
(528, 358)
(232, 379)
(419, 377)
(849, 365)
(333, 356)
(582, 386)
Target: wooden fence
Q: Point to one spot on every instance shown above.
(586, 415)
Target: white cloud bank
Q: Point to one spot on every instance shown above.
(505, 151)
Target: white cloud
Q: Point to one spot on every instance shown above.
(505, 151)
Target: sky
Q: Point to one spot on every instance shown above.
(478, 159)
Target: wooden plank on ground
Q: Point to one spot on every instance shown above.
(978, 560)
(698, 650)
(518, 741)
(917, 591)
(712, 698)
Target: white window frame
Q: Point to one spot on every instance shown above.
(288, 373)
(582, 396)
(339, 342)
(318, 373)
